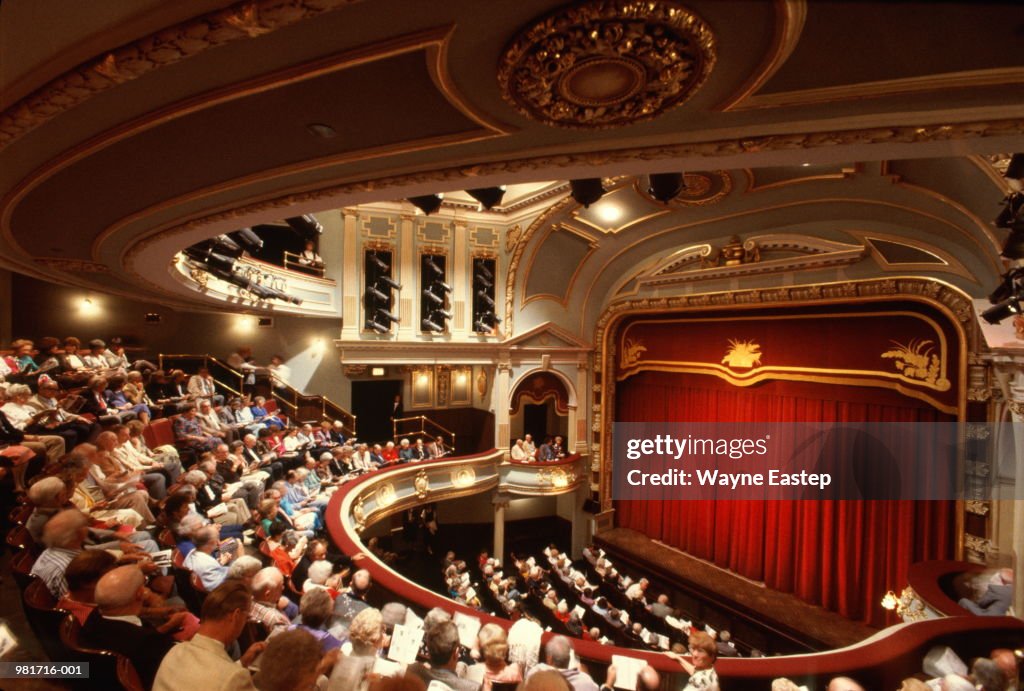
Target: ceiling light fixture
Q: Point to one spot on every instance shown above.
(427, 203)
(608, 212)
(586, 191)
(665, 186)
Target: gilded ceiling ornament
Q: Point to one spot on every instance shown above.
(607, 63)
(631, 352)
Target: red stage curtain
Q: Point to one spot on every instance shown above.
(842, 555)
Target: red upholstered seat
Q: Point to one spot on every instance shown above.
(159, 432)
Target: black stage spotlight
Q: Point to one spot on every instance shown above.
(485, 298)
(374, 292)
(1012, 212)
(587, 190)
(433, 297)
(443, 286)
(219, 261)
(481, 270)
(224, 245)
(1004, 290)
(483, 282)
(390, 282)
(1014, 247)
(665, 186)
(427, 203)
(1002, 310)
(447, 314)
(432, 327)
(377, 326)
(432, 265)
(489, 197)
(378, 262)
(1015, 168)
(387, 315)
(305, 225)
(249, 240)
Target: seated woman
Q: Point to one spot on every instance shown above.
(117, 357)
(135, 390)
(493, 643)
(165, 456)
(118, 400)
(73, 371)
(161, 393)
(20, 416)
(304, 517)
(101, 498)
(97, 406)
(285, 547)
(260, 414)
(220, 508)
(316, 608)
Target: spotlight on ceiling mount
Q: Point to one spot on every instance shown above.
(489, 197)
(305, 225)
(1002, 310)
(377, 326)
(432, 326)
(665, 186)
(427, 203)
(433, 297)
(378, 262)
(432, 265)
(249, 240)
(586, 191)
(390, 282)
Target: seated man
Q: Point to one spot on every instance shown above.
(442, 643)
(207, 561)
(996, 599)
(64, 536)
(203, 662)
(115, 624)
(270, 609)
(212, 425)
(557, 656)
(202, 387)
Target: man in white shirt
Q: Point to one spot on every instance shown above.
(201, 386)
(529, 447)
(134, 459)
(211, 570)
(279, 372)
(203, 662)
(518, 453)
(211, 423)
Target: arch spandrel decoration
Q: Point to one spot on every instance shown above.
(537, 388)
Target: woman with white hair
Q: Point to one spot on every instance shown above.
(104, 502)
(220, 509)
(18, 414)
(321, 575)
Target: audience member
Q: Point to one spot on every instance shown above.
(203, 662)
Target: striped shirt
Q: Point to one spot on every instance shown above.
(50, 567)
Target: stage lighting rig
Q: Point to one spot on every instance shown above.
(484, 316)
(248, 239)
(378, 284)
(433, 315)
(305, 225)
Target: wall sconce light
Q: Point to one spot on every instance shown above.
(889, 601)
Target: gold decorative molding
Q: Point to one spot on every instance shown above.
(701, 188)
(1010, 77)
(459, 175)
(359, 513)
(385, 495)
(422, 485)
(171, 45)
(976, 507)
(916, 360)
(463, 477)
(790, 16)
(948, 299)
(606, 63)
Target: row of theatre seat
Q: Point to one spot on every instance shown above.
(57, 630)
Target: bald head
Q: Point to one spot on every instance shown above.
(120, 588)
(649, 680)
(66, 530)
(361, 580)
(844, 684)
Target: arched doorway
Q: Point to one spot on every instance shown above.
(540, 407)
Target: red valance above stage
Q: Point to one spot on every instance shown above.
(843, 555)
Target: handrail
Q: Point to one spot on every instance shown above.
(301, 268)
(424, 421)
(276, 386)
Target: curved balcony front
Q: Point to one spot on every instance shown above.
(881, 661)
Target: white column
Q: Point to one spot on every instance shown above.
(406, 300)
(461, 278)
(351, 276)
(582, 432)
(500, 399)
(498, 551)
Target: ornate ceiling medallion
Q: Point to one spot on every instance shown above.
(607, 63)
